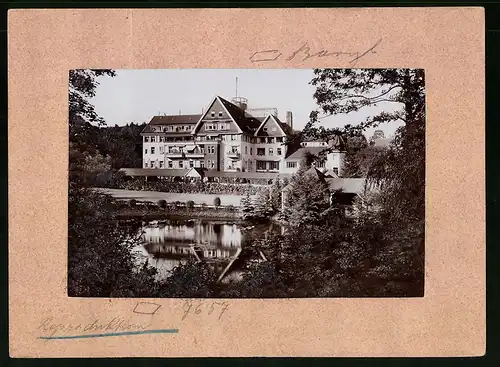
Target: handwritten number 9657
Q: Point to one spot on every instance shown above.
(196, 307)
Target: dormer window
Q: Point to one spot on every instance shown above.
(220, 113)
(212, 114)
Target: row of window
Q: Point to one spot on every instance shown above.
(227, 137)
(179, 164)
(211, 150)
(270, 151)
(219, 126)
(268, 166)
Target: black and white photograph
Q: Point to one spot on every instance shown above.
(246, 183)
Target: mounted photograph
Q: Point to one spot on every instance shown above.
(246, 183)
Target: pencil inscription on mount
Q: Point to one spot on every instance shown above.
(305, 52)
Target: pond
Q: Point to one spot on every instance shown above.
(168, 243)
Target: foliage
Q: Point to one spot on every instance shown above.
(306, 197)
(190, 204)
(132, 203)
(217, 201)
(162, 204)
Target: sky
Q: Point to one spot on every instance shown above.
(138, 95)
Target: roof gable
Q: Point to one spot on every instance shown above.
(216, 102)
(269, 123)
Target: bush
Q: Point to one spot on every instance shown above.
(217, 201)
(132, 203)
(204, 205)
(190, 204)
(162, 204)
(177, 204)
(231, 207)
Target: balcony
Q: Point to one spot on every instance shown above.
(175, 154)
(195, 155)
(233, 155)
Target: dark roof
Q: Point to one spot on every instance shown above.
(175, 119)
(154, 172)
(301, 152)
(347, 185)
(245, 122)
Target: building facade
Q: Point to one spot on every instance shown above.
(227, 137)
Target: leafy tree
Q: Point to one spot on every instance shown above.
(262, 204)
(306, 197)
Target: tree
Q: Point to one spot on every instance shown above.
(396, 232)
(247, 206)
(262, 204)
(306, 197)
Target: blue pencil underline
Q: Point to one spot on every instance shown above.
(156, 331)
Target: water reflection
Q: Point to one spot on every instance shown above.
(169, 243)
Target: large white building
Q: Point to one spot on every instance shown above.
(230, 138)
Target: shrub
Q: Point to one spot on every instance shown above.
(204, 205)
(217, 201)
(178, 204)
(190, 204)
(132, 203)
(231, 207)
(162, 204)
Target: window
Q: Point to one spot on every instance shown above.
(161, 139)
(146, 139)
(261, 165)
(213, 164)
(261, 151)
(271, 151)
(233, 137)
(278, 151)
(262, 140)
(145, 151)
(191, 164)
(161, 150)
(211, 149)
(212, 114)
(170, 164)
(264, 129)
(161, 164)
(279, 139)
(251, 151)
(336, 170)
(270, 140)
(274, 166)
(153, 139)
(234, 149)
(320, 164)
(152, 150)
(181, 164)
(246, 150)
(220, 113)
(170, 149)
(291, 164)
(145, 164)
(202, 164)
(152, 164)
(222, 126)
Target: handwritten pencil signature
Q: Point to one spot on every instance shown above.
(304, 53)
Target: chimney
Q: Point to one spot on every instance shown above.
(289, 119)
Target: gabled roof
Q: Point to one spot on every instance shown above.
(301, 152)
(245, 123)
(276, 120)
